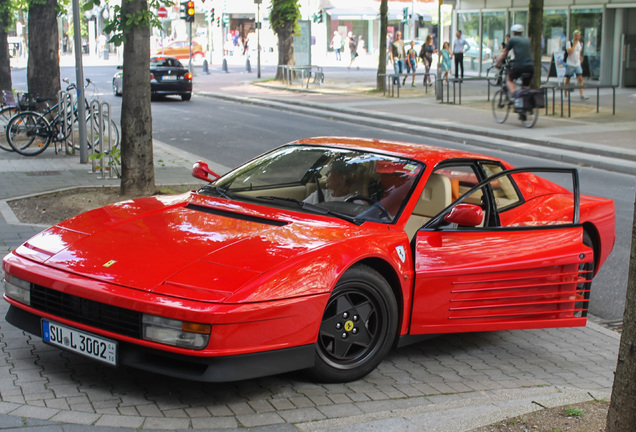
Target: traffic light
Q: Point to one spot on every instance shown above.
(317, 17)
(209, 15)
(405, 15)
(190, 11)
(182, 10)
(226, 20)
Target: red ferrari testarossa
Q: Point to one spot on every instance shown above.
(320, 255)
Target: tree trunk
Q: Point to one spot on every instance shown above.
(535, 29)
(138, 173)
(381, 81)
(5, 59)
(43, 67)
(285, 48)
(622, 415)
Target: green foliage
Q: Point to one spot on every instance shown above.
(282, 13)
(119, 25)
(574, 412)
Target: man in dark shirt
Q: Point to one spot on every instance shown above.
(522, 65)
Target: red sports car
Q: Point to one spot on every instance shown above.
(319, 255)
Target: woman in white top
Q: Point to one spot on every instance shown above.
(573, 63)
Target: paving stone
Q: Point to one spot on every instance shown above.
(299, 415)
(214, 423)
(166, 423)
(261, 419)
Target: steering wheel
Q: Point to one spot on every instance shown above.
(360, 198)
(383, 213)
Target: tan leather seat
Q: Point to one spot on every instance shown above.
(436, 196)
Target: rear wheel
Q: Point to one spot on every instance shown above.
(28, 133)
(357, 328)
(110, 136)
(5, 115)
(529, 117)
(186, 97)
(500, 106)
(116, 90)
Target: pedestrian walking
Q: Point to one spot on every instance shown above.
(353, 49)
(445, 60)
(336, 45)
(411, 62)
(397, 56)
(460, 45)
(573, 63)
(426, 54)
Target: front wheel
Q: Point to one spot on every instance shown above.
(357, 328)
(28, 133)
(500, 106)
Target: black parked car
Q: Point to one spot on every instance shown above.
(167, 77)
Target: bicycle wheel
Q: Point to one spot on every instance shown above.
(5, 115)
(28, 133)
(111, 141)
(500, 106)
(529, 117)
(493, 75)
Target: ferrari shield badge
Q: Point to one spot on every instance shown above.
(401, 253)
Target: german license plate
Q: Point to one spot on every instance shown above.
(169, 78)
(87, 344)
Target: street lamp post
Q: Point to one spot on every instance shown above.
(258, 37)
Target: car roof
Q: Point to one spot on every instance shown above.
(430, 155)
(161, 56)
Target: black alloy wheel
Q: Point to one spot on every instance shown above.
(358, 327)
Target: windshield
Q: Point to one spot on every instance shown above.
(355, 185)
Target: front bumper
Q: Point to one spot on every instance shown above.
(202, 369)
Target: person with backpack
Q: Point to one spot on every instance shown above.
(574, 51)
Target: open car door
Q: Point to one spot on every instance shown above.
(478, 274)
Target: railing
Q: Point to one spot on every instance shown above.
(392, 81)
(311, 73)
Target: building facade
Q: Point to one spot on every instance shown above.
(608, 30)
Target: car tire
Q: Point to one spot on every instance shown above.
(186, 97)
(358, 327)
(116, 90)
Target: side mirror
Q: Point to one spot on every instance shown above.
(202, 171)
(465, 215)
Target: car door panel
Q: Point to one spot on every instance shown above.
(477, 281)
(532, 273)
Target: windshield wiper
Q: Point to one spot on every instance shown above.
(219, 191)
(313, 208)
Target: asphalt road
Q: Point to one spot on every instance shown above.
(229, 133)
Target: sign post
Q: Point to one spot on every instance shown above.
(258, 37)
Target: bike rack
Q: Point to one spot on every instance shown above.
(106, 159)
(65, 100)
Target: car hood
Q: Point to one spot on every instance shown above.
(186, 246)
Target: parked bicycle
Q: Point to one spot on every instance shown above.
(26, 102)
(29, 133)
(526, 103)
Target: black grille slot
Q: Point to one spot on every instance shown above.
(88, 312)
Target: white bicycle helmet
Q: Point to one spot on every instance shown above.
(517, 28)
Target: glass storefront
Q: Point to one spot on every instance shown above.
(555, 25)
(468, 23)
(589, 22)
(494, 33)
(489, 28)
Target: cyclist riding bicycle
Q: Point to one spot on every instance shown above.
(522, 65)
